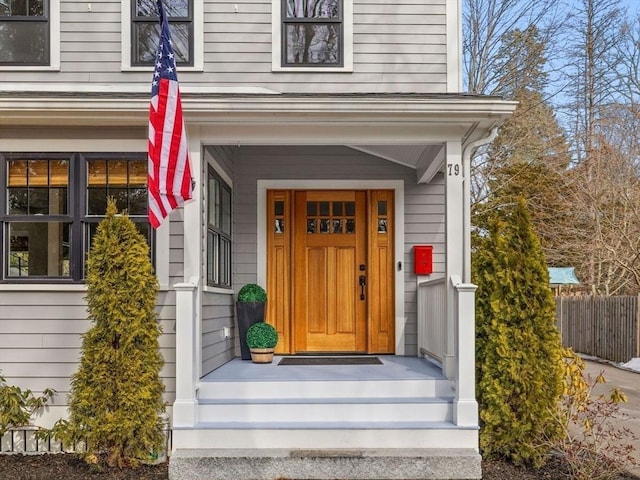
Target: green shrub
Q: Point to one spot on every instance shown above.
(262, 335)
(519, 353)
(115, 402)
(17, 406)
(252, 292)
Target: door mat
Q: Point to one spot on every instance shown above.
(289, 361)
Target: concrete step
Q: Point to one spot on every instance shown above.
(325, 464)
(334, 410)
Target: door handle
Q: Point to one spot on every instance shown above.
(363, 284)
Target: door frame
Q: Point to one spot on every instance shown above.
(396, 185)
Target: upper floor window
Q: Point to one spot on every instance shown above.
(51, 204)
(24, 32)
(145, 31)
(312, 35)
(312, 32)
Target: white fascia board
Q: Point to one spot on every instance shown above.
(223, 108)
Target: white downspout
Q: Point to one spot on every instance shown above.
(466, 167)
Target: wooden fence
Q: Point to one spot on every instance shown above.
(604, 327)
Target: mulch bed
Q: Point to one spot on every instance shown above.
(66, 466)
(71, 467)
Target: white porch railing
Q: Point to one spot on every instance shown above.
(432, 318)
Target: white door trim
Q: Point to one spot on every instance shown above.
(396, 185)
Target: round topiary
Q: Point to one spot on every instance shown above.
(252, 292)
(262, 335)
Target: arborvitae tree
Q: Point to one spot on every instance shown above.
(116, 400)
(519, 354)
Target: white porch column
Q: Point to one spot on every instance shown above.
(185, 407)
(455, 232)
(465, 411)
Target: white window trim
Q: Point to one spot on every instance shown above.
(54, 44)
(276, 38)
(454, 42)
(198, 40)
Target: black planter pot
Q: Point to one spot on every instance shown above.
(247, 314)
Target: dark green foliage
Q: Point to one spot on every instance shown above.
(116, 400)
(17, 405)
(252, 292)
(262, 335)
(519, 354)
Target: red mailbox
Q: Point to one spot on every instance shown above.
(423, 259)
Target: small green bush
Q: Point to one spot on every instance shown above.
(262, 335)
(17, 406)
(252, 292)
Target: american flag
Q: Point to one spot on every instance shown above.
(169, 170)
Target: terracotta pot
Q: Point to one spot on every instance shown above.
(262, 355)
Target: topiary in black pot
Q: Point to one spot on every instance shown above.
(250, 307)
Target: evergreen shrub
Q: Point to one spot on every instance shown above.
(115, 402)
(519, 353)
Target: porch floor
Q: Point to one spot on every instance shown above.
(393, 368)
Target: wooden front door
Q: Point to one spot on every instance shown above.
(330, 270)
(330, 261)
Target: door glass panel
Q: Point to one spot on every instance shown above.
(278, 208)
(311, 226)
(350, 208)
(312, 209)
(330, 217)
(351, 225)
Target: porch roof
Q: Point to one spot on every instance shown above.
(114, 107)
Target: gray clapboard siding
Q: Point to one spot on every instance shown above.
(217, 313)
(398, 47)
(424, 204)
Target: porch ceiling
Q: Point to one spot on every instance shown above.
(427, 160)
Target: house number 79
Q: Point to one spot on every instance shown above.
(454, 169)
